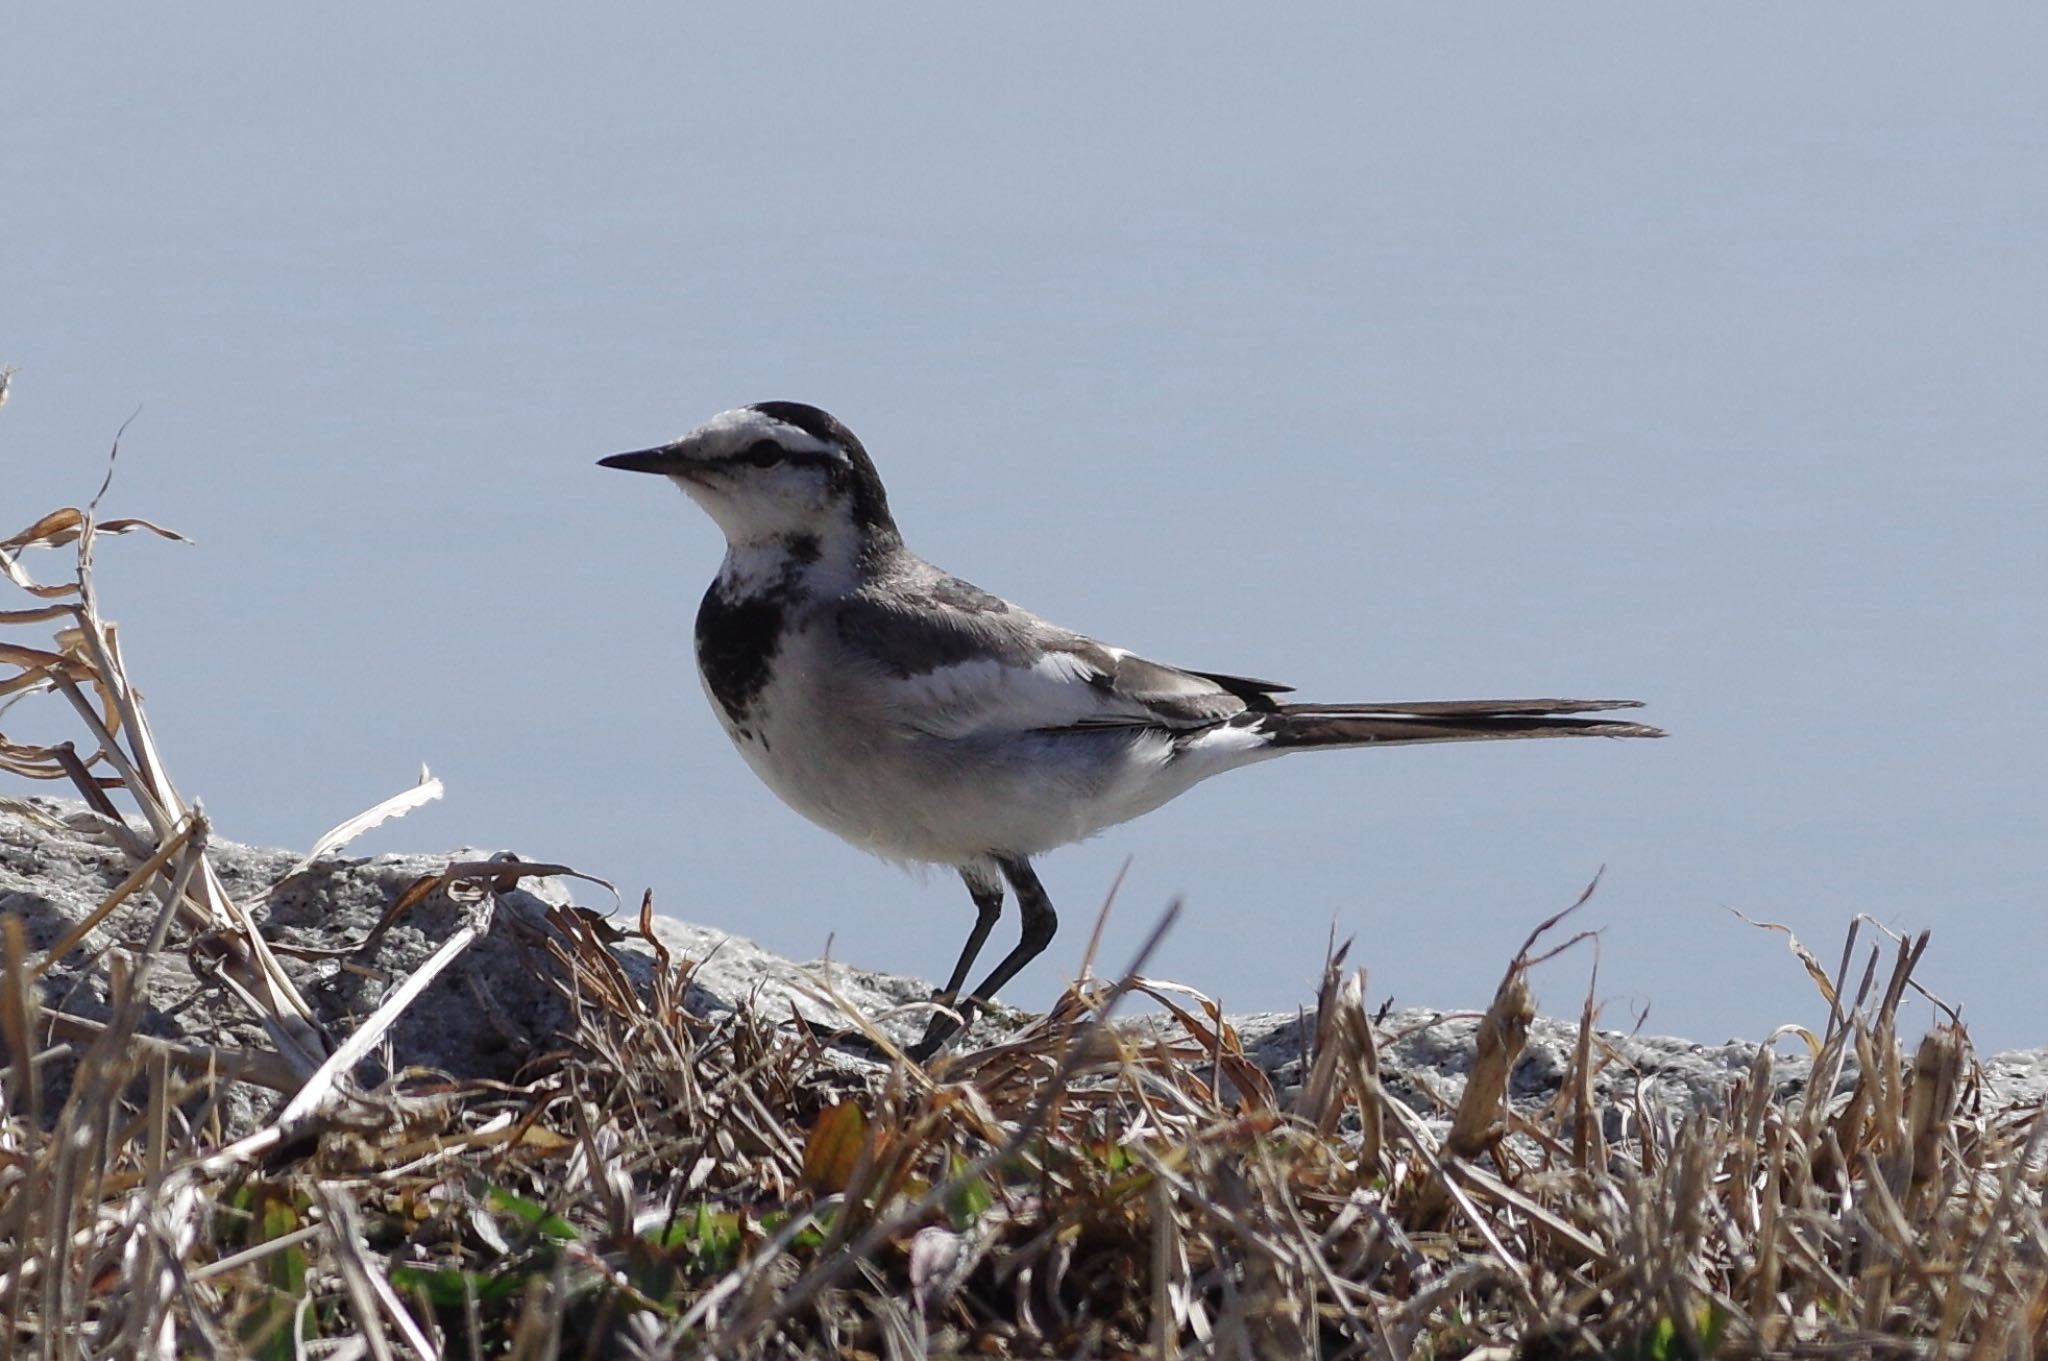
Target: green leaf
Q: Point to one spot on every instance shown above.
(532, 1214)
(811, 1235)
(448, 1288)
(286, 1270)
(276, 1329)
(712, 1236)
(971, 1199)
(1712, 1326)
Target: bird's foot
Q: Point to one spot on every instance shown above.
(845, 1039)
(944, 1026)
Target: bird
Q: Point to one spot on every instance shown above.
(933, 723)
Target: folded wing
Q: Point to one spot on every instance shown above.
(951, 672)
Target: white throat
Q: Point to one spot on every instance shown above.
(826, 561)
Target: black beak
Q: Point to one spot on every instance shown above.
(663, 460)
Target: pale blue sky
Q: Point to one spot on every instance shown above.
(1693, 354)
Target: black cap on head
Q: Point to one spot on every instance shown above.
(809, 419)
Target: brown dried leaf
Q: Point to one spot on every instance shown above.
(414, 894)
(65, 524)
(1477, 1123)
(34, 616)
(59, 527)
(133, 522)
(56, 529)
(38, 661)
(832, 1151)
(1814, 969)
(496, 870)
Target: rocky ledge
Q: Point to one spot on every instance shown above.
(499, 1005)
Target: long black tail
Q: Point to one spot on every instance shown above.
(1456, 720)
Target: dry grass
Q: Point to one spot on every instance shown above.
(667, 1185)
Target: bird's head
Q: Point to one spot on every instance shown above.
(774, 470)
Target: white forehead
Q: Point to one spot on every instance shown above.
(729, 432)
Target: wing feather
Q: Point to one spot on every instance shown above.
(959, 663)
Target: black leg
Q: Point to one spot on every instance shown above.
(987, 891)
(1040, 922)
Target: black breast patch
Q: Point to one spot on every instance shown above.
(736, 644)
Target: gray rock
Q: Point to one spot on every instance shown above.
(499, 1006)
(495, 1008)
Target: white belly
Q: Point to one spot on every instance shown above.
(958, 801)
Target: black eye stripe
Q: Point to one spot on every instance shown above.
(766, 453)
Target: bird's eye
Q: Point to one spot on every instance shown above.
(766, 453)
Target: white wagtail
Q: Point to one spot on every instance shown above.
(925, 720)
